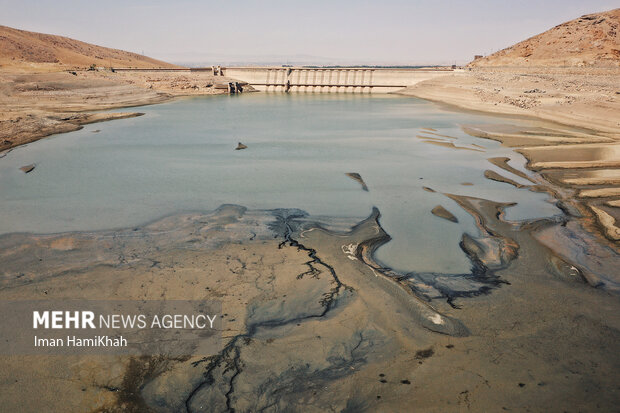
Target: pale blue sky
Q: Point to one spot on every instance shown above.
(347, 31)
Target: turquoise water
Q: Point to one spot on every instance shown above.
(180, 157)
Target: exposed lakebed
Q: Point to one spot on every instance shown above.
(180, 157)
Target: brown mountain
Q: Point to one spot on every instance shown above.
(22, 49)
(590, 40)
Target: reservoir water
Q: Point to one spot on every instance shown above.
(180, 157)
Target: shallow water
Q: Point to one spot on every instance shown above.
(180, 156)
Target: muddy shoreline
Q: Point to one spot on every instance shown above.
(580, 174)
(370, 334)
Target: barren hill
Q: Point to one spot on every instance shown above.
(590, 40)
(29, 50)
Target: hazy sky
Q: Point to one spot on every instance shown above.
(346, 31)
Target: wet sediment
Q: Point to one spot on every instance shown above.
(143, 262)
(312, 320)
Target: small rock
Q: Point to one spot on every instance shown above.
(28, 168)
(441, 212)
(240, 146)
(427, 189)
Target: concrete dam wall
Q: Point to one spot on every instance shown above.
(325, 80)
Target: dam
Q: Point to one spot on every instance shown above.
(330, 79)
(316, 79)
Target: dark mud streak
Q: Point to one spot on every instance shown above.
(231, 382)
(233, 362)
(480, 273)
(329, 298)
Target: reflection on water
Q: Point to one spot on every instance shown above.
(180, 156)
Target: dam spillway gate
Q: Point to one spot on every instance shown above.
(289, 79)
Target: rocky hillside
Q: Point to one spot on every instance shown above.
(590, 40)
(22, 49)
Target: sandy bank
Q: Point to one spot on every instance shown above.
(581, 97)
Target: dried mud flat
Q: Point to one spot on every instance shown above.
(311, 322)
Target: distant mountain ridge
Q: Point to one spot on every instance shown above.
(20, 48)
(590, 40)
